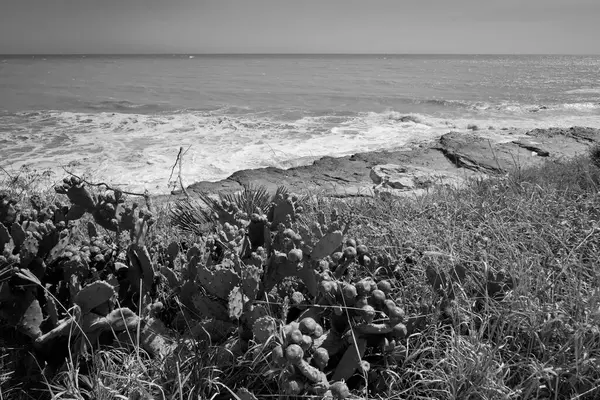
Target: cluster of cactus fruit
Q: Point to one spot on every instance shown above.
(237, 281)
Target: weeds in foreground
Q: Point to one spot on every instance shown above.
(541, 340)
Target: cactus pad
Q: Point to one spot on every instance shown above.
(251, 280)
(219, 282)
(264, 328)
(206, 307)
(5, 237)
(31, 320)
(94, 295)
(18, 234)
(140, 268)
(351, 360)
(327, 245)
(245, 394)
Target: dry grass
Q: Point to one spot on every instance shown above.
(540, 226)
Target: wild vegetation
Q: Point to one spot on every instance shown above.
(488, 291)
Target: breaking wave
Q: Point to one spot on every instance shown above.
(138, 150)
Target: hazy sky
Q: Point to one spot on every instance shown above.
(300, 26)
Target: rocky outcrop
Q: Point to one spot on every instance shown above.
(578, 133)
(454, 156)
(394, 178)
(532, 146)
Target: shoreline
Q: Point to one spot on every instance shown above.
(452, 158)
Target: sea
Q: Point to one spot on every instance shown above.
(125, 119)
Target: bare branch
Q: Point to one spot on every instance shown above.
(179, 161)
(145, 195)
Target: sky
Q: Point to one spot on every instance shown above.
(300, 26)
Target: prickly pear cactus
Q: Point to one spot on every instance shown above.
(5, 237)
(140, 271)
(94, 295)
(327, 245)
(250, 280)
(280, 209)
(236, 301)
(29, 250)
(264, 328)
(220, 281)
(206, 307)
(31, 320)
(18, 234)
(77, 193)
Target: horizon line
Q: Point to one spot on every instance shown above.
(290, 54)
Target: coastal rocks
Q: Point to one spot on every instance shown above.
(532, 146)
(454, 156)
(401, 178)
(469, 151)
(580, 134)
(564, 142)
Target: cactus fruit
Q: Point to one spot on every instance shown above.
(292, 387)
(339, 390)
(321, 358)
(307, 326)
(264, 328)
(294, 353)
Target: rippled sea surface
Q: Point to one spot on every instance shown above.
(124, 118)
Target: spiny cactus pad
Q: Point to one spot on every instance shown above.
(140, 269)
(18, 234)
(264, 328)
(93, 295)
(219, 282)
(5, 237)
(327, 245)
(31, 320)
(206, 307)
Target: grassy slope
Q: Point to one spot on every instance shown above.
(542, 340)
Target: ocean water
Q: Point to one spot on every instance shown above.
(123, 119)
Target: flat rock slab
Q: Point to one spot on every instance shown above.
(532, 146)
(455, 154)
(402, 177)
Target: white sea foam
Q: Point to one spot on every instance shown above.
(584, 91)
(139, 150)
